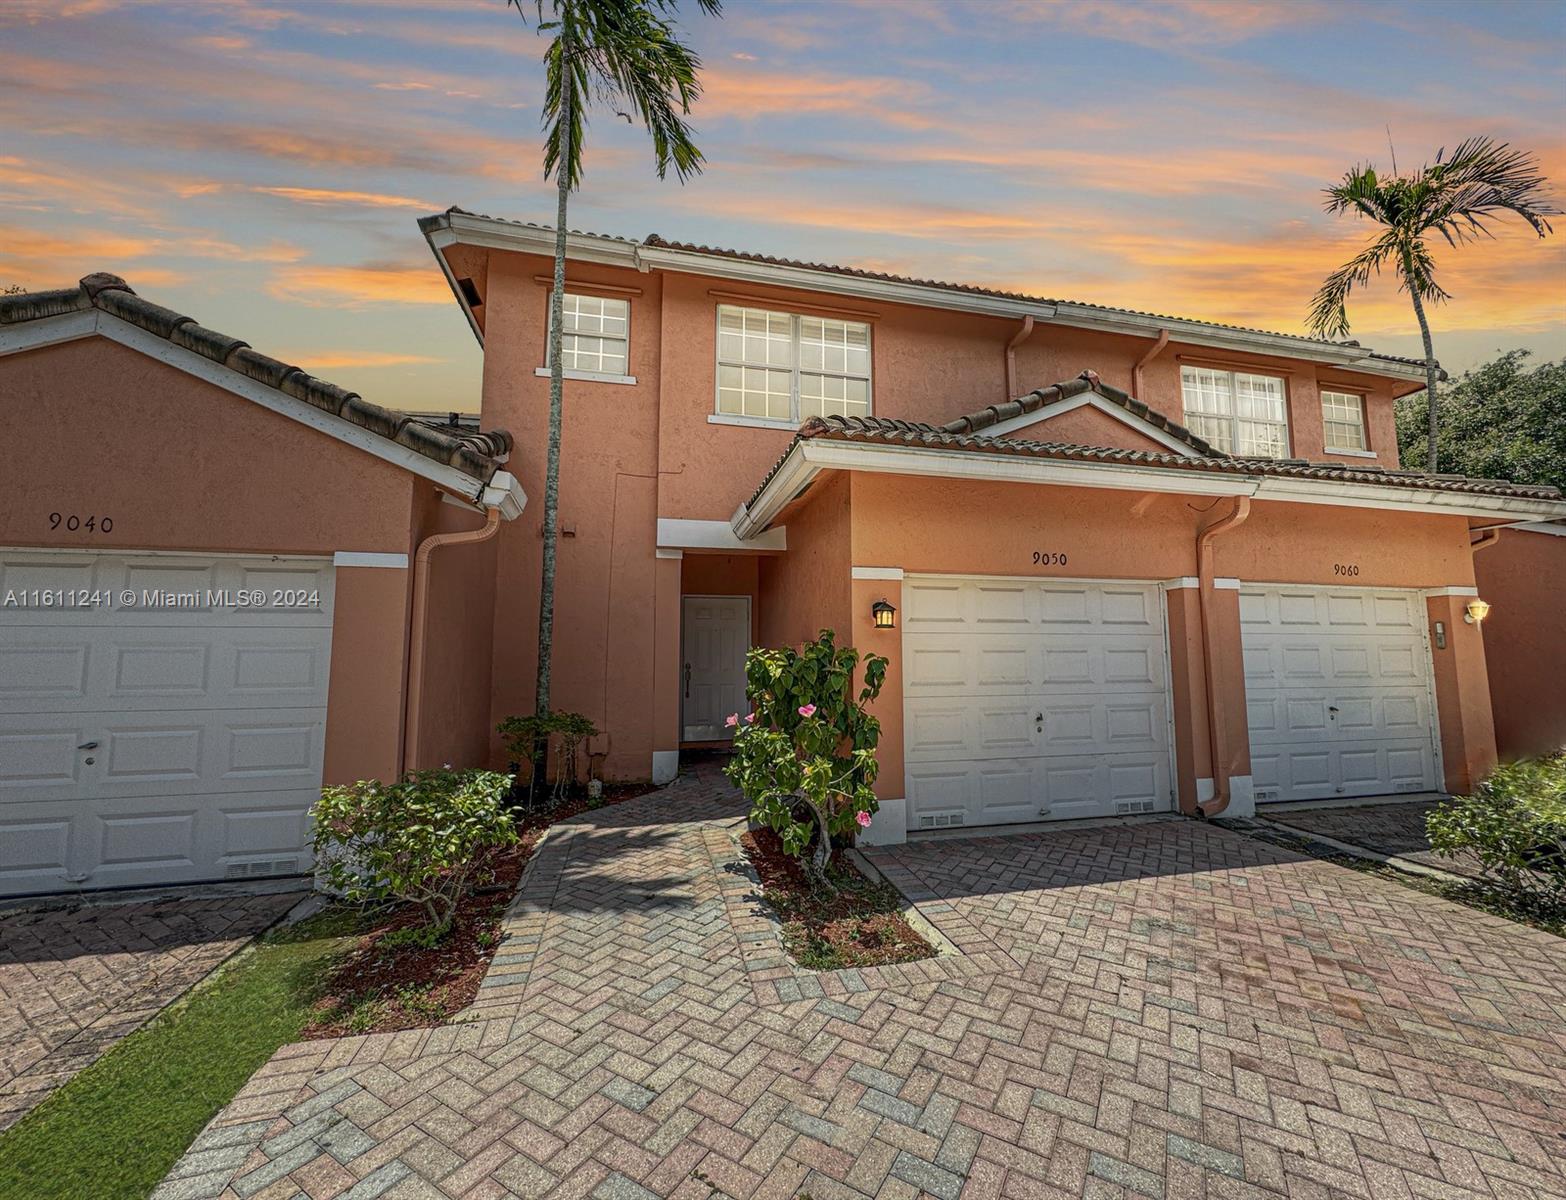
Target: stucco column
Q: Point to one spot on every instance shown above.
(890, 824)
(1462, 688)
(364, 710)
(666, 666)
(1194, 767)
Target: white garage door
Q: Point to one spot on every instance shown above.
(1338, 692)
(1028, 700)
(145, 744)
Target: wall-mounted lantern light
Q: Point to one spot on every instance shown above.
(1476, 612)
(885, 615)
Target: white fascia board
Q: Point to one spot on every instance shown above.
(438, 240)
(680, 534)
(808, 457)
(1554, 530)
(504, 492)
(884, 573)
(1401, 499)
(46, 333)
(1094, 400)
(501, 235)
(1452, 591)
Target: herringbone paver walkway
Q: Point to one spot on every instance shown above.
(1161, 1009)
(77, 976)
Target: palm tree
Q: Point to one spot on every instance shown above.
(1455, 197)
(621, 52)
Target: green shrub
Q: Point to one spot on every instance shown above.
(805, 757)
(527, 739)
(425, 840)
(1515, 826)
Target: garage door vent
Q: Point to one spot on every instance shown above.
(1409, 785)
(1125, 808)
(261, 867)
(941, 820)
(1264, 794)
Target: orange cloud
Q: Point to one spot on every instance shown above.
(752, 93)
(356, 286)
(305, 195)
(332, 360)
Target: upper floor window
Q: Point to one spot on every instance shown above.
(786, 367)
(595, 335)
(1343, 416)
(1236, 411)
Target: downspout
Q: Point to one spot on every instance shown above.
(1136, 371)
(421, 603)
(1204, 600)
(1022, 335)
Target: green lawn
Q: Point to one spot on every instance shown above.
(114, 1131)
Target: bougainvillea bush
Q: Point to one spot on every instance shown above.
(805, 755)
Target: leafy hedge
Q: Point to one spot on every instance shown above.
(1515, 826)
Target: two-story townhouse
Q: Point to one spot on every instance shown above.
(1134, 562)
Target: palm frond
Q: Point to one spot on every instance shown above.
(1329, 306)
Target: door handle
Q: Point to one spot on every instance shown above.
(687, 681)
(88, 746)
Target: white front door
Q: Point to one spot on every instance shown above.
(1338, 692)
(144, 745)
(715, 637)
(1028, 700)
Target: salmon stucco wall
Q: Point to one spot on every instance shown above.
(1087, 426)
(807, 589)
(1523, 576)
(454, 723)
(177, 463)
(604, 633)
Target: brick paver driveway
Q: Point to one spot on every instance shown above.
(1163, 1009)
(77, 976)
(1390, 829)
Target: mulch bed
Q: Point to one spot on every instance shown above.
(859, 924)
(381, 988)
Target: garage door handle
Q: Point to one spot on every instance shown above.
(88, 746)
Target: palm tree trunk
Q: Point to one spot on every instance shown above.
(1430, 376)
(546, 587)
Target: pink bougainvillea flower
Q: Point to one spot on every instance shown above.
(864, 820)
(731, 720)
(807, 710)
(750, 718)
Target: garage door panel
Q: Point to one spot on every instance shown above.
(151, 746)
(1028, 700)
(1338, 692)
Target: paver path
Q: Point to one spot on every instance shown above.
(1390, 829)
(77, 976)
(1160, 1009)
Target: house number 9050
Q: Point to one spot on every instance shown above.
(1049, 558)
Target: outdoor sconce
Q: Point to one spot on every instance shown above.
(885, 615)
(1476, 612)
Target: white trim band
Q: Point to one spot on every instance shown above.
(1095, 400)
(676, 533)
(1452, 591)
(369, 558)
(585, 376)
(1222, 583)
(877, 572)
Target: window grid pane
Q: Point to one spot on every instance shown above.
(1237, 412)
(595, 334)
(785, 367)
(1343, 415)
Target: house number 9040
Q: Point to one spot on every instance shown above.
(1049, 558)
(72, 523)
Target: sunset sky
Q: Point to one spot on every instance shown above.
(260, 164)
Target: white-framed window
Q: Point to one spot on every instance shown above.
(595, 335)
(1237, 411)
(1343, 417)
(787, 367)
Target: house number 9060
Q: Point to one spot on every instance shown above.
(1345, 569)
(1049, 558)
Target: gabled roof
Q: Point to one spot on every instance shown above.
(474, 454)
(1087, 382)
(1284, 479)
(458, 224)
